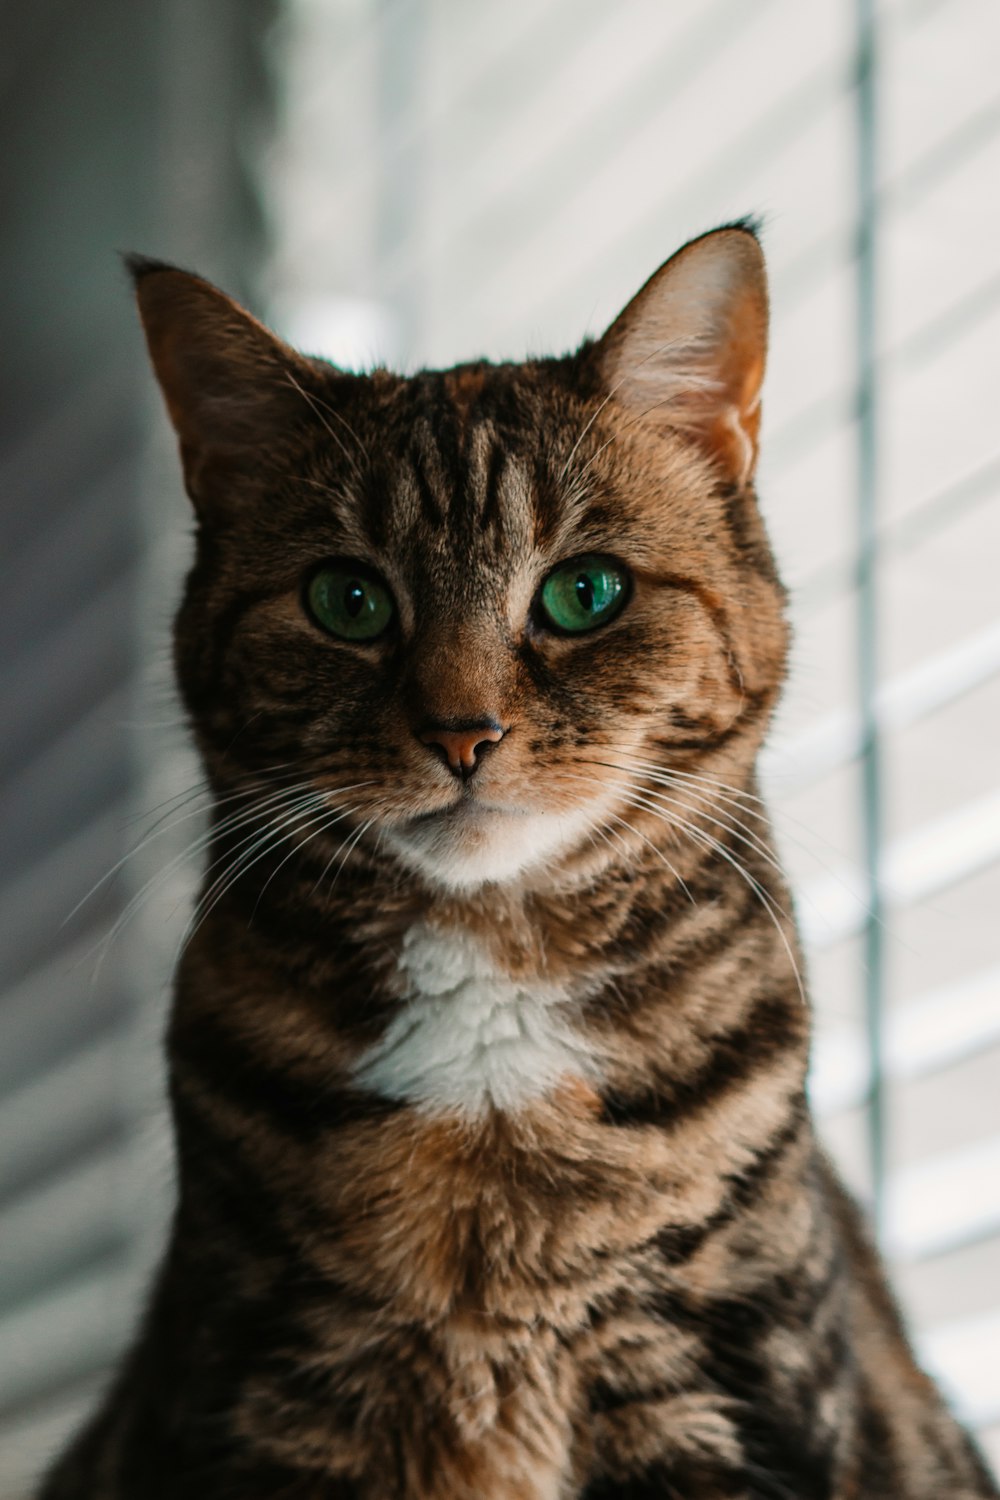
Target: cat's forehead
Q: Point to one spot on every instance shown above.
(463, 468)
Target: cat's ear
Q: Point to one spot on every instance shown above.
(688, 352)
(230, 385)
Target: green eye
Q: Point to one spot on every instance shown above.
(348, 601)
(584, 593)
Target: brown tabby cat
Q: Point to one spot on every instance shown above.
(497, 1179)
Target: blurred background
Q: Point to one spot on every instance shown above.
(420, 181)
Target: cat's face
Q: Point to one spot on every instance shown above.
(470, 607)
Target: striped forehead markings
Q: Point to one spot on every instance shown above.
(427, 471)
(458, 485)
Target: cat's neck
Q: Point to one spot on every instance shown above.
(460, 1003)
(620, 1052)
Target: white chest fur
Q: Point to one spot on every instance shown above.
(469, 1037)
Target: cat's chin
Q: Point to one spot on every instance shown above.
(471, 846)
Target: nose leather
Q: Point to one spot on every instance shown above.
(463, 747)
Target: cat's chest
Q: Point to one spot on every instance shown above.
(469, 1037)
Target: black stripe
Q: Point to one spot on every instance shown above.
(747, 536)
(217, 1168)
(429, 503)
(664, 1099)
(215, 1164)
(690, 953)
(677, 1243)
(745, 1186)
(490, 513)
(678, 1479)
(453, 461)
(201, 662)
(874, 1444)
(301, 1107)
(707, 739)
(271, 1481)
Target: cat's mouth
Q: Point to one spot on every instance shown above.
(465, 809)
(470, 842)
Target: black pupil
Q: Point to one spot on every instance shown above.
(585, 592)
(354, 598)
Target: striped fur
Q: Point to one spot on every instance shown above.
(496, 1175)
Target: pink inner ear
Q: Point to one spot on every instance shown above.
(688, 353)
(742, 354)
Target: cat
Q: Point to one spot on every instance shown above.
(488, 1056)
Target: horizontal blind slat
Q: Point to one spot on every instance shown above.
(57, 1114)
(70, 1333)
(63, 1225)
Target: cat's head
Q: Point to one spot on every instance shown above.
(475, 606)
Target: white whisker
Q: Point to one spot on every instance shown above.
(318, 407)
(233, 821)
(262, 844)
(730, 826)
(772, 907)
(624, 790)
(667, 778)
(338, 817)
(165, 824)
(259, 845)
(358, 836)
(659, 854)
(629, 374)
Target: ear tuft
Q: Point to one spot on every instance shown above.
(142, 265)
(752, 224)
(688, 352)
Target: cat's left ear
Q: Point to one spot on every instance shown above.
(231, 386)
(688, 352)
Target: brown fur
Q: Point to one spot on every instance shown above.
(642, 1279)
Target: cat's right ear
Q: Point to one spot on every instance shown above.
(230, 385)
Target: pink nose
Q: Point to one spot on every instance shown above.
(461, 748)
